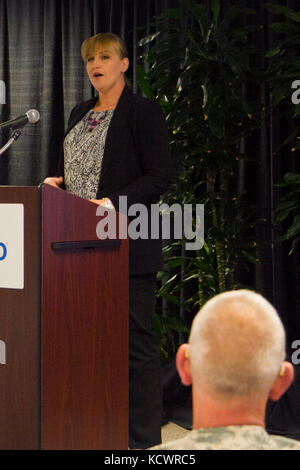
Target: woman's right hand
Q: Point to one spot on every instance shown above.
(56, 182)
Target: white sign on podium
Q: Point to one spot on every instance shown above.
(12, 246)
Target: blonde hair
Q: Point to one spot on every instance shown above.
(90, 45)
(237, 345)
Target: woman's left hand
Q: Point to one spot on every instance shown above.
(100, 202)
(105, 202)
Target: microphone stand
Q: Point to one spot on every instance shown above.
(13, 138)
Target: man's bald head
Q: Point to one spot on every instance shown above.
(237, 345)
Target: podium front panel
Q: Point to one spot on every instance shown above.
(64, 333)
(84, 329)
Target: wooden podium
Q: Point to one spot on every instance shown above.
(65, 381)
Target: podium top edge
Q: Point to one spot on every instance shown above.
(18, 186)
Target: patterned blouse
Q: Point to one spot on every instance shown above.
(83, 153)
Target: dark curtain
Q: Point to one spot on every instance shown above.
(41, 66)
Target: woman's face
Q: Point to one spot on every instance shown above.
(105, 68)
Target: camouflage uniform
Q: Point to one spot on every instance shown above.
(231, 438)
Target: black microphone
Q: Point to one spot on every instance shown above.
(31, 116)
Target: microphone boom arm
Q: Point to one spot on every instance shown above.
(12, 139)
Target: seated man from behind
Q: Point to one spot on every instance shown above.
(235, 362)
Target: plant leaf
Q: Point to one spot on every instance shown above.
(291, 178)
(283, 10)
(293, 230)
(274, 51)
(215, 8)
(148, 39)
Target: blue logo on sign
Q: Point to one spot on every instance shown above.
(3, 251)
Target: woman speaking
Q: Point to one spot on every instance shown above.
(116, 145)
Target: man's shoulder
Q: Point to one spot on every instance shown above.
(231, 438)
(285, 443)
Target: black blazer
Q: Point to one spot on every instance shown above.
(136, 163)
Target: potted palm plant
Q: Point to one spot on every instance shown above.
(198, 65)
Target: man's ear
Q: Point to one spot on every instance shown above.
(183, 364)
(283, 381)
